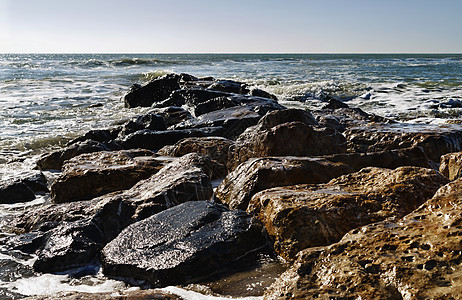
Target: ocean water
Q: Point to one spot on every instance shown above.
(47, 99)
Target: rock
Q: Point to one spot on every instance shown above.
(75, 232)
(214, 147)
(154, 140)
(156, 90)
(68, 246)
(114, 295)
(173, 115)
(435, 140)
(93, 174)
(191, 97)
(15, 191)
(214, 104)
(261, 93)
(303, 216)
(259, 174)
(188, 243)
(56, 159)
(148, 121)
(416, 257)
(229, 86)
(342, 118)
(451, 165)
(274, 135)
(390, 159)
(98, 135)
(36, 181)
(278, 117)
(334, 104)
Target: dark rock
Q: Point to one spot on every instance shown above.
(451, 165)
(191, 97)
(278, 117)
(334, 104)
(214, 104)
(259, 174)
(36, 181)
(148, 121)
(188, 243)
(56, 159)
(99, 135)
(154, 140)
(214, 147)
(93, 174)
(262, 93)
(303, 216)
(173, 115)
(15, 191)
(68, 246)
(156, 90)
(435, 140)
(229, 86)
(416, 257)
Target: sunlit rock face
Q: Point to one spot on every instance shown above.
(416, 257)
(89, 175)
(187, 243)
(434, 140)
(286, 133)
(451, 165)
(302, 216)
(259, 174)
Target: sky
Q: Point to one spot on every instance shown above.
(233, 26)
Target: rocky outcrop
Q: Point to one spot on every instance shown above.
(434, 140)
(451, 165)
(156, 90)
(188, 243)
(55, 160)
(214, 147)
(13, 191)
(93, 174)
(148, 121)
(259, 174)
(276, 135)
(416, 257)
(302, 216)
(173, 115)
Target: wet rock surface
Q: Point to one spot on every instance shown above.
(451, 165)
(23, 188)
(259, 174)
(214, 147)
(187, 243)
(302, 216)
(416, 257)
(434, 140)
(90, 175)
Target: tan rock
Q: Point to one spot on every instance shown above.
(435, 140)
(93, 174)
(258, 174)
(416, 257)
(215, 147)
(451, 165)
(302, 216)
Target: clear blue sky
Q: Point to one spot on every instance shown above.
(245, 26)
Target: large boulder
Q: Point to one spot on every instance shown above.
(93, 174)
(55, 160)
(434, 140)
(156, 90)
(259, 174)
(148, 121)
(303, 216)
(451, 165)
(416, 257)
(188, 243)
(214, 147)
(13, 191)
(277, 135)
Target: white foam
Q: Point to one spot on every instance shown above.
(190, 295)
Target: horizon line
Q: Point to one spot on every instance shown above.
(244, 53)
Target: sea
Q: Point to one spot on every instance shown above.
(48, 99)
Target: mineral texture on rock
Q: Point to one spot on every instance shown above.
(451, 165)
(416, 257)
(302, 216)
